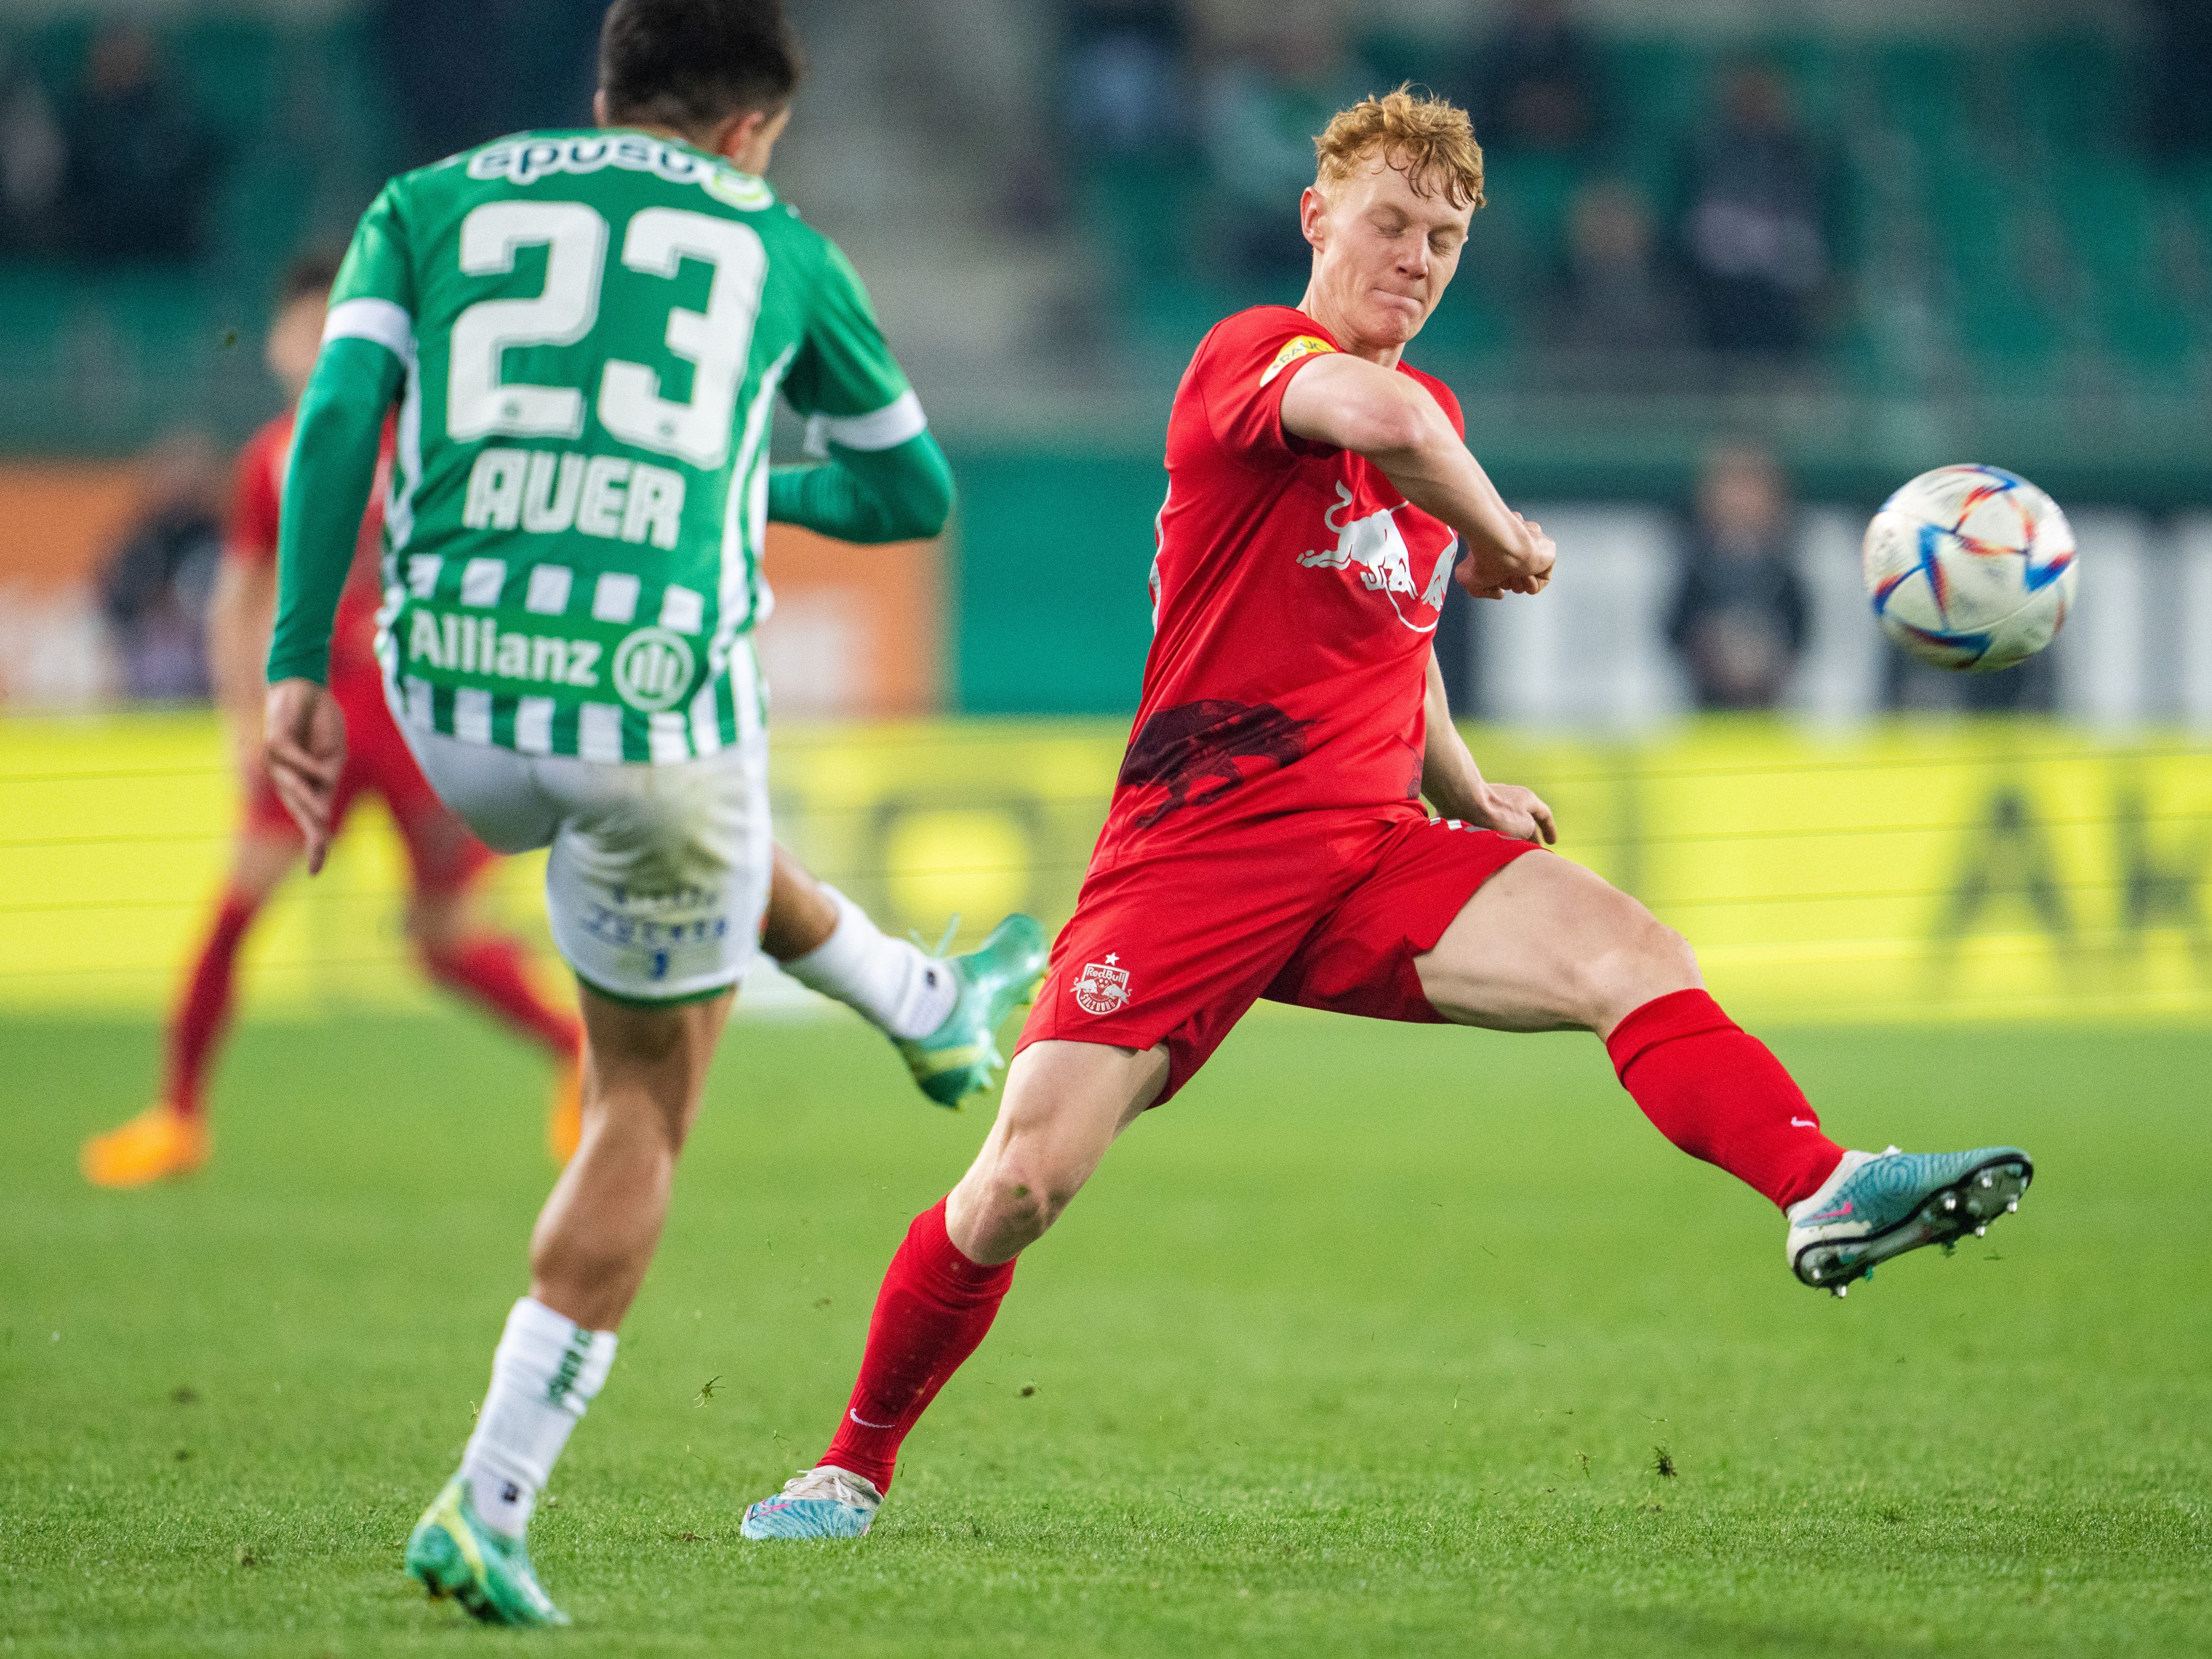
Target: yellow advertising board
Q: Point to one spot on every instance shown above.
(1915, 872)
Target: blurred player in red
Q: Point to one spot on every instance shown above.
(1267, 836)
(939, 1013)
(456, 946)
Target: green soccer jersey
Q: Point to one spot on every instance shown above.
(588, 331)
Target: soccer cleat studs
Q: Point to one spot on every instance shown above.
(1875, 1213)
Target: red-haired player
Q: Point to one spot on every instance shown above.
(1267, 836)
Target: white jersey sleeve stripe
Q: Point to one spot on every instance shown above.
(378, 321)
(886, 429)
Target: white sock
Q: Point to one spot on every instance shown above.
(545, 1370)
(893, 984)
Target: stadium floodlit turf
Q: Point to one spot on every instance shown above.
(1378, 1341)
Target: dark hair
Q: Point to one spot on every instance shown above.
(691, 64)
(313, 272)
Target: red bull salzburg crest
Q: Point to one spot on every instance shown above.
(1104, 986)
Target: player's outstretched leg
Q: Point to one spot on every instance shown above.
(941, 1013)
(170, 1137)
(1546, 945)
(646, 1068)
(1065, 1103)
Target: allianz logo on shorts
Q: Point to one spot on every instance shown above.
(651, 669)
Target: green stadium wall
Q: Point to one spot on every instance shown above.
(1050, 613)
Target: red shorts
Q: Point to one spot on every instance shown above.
(1320, 909)
(441, 855)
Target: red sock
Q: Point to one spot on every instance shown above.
(490, 969)
(1719, 1095)
(196, 1026)
(933, 1310)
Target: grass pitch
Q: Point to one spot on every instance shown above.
(1377, 1341)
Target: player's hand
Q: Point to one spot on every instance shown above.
(1539, 575)
(1495, 584)
(1520, 813)
(303, 736)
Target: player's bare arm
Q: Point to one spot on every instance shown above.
(1385, 248)
(1454, 785)
(1355, 405)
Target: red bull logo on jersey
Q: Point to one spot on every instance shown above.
(1104, 986)
(1377, 548)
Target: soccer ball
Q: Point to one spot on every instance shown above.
(1970, 568)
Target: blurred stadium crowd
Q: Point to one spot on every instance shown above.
(1730, 259)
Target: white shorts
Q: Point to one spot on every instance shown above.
(659, 875)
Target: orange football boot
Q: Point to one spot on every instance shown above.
(157, 1144)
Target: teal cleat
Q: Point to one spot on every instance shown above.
(820, 1503)
(958, 1058)
(1877, 1205)
(453, 1552)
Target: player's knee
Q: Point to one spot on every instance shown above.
(1668, 955)
(1641, 958)
(1025, 1195)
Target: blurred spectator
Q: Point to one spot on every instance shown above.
(2177, 111)
(140, 167)
(1126, 67)
(1754, 229)
(1536, 82)
(155, 590)
(30, 157)
(1261, 111)
(1739, 618)
(1618, 315)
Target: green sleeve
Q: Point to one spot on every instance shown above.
(885, 480)
(897, 495)
(844, 373)
(336, 439)
(334, 449)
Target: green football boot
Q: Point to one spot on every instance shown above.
(453, 1552)
(957, 1060)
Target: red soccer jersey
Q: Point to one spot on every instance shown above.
(1294, 595)
(256, 508)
